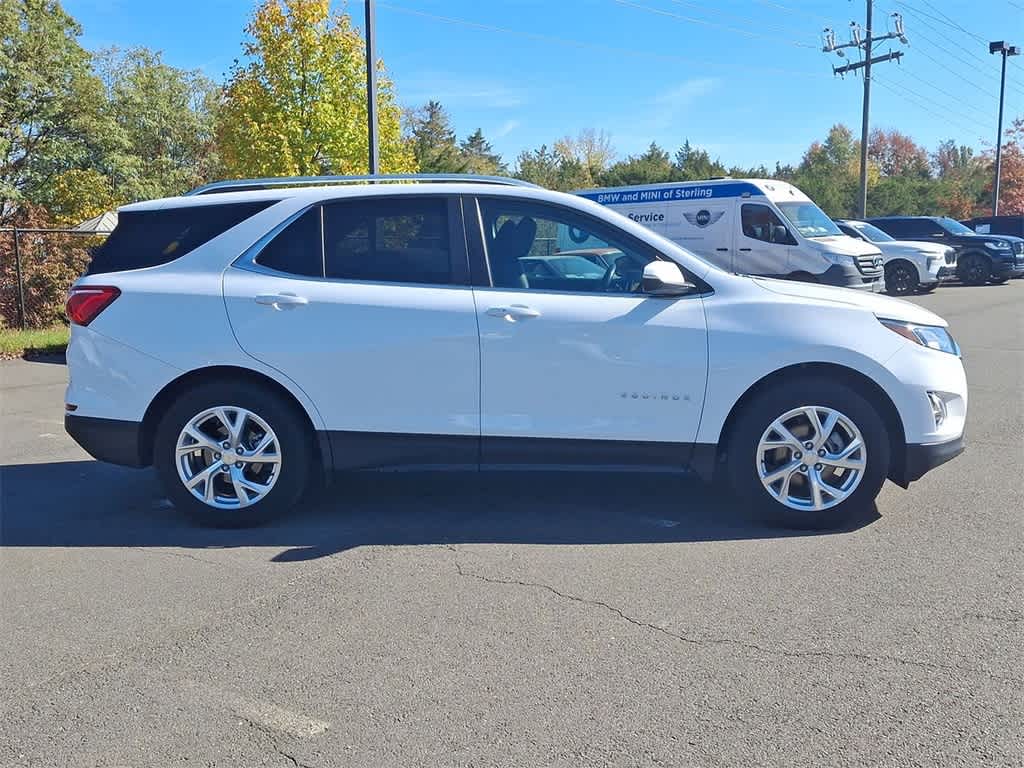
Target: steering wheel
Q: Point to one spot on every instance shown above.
(613, 279)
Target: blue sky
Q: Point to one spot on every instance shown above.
(745, 79)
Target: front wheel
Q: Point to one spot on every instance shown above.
(999, 280)
(232, 455)
(809, 453)
(900, 279)
(973, 269)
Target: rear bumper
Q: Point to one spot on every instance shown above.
(110, 440)
(919, 459)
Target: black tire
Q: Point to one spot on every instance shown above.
(974, 269)
(901, 278)
(999, 280)
(294, 445)
(777, 399)
(929, 288)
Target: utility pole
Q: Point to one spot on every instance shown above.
(371, 88)
(864, 43)
(1000, 46)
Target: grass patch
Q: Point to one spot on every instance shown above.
(16, 343)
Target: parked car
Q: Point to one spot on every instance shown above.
(997, 225)
(910, 266)
(980, 258)
(747, 226)
(247, 342)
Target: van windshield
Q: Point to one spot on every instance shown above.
(809, 219)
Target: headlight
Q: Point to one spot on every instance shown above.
(931, 336)
(997, 246)
(837, 258)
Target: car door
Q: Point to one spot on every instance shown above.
(365, 305)
(759, 248)
(583, 370)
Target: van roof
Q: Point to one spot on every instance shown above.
(773, 189)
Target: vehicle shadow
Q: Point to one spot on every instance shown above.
(91, 504)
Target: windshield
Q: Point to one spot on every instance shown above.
(871, 232)
(954, 227)
(576, 266)
(809, 219)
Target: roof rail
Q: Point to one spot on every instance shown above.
(242, 185)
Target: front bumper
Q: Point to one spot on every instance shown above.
(849, 276)
(110, 440)
(1008, 268)
(919, 459)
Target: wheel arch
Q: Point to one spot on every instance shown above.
(856, 380)
(173, 389)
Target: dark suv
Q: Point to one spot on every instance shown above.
(980, 258)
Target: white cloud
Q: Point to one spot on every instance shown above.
(685, 94)
(459, 91)
(506, 128)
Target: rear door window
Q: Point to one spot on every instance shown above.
(402, 240)
(151, 238)
(298, 248)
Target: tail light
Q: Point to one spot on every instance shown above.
(87, 301)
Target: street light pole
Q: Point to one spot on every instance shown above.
(1000, 47)
(371, 88)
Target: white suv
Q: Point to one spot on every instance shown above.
(251, 337)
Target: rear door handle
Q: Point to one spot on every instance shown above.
(724, 249)
(513, 313)
(281, 301)
(744, 249)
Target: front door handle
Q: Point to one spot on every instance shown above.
(281, 301)
(513, 313)
(744, 249)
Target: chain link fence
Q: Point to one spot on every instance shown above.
(37, 267)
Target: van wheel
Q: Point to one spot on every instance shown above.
(999, 280)
(809, 453)
(973, 269)
(232, 455)
(900, 278)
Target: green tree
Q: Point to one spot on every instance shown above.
(694, 164)
(550, 169)
(50, 100)
(651, 167)
(433, 140)
(297, 105)
(163, 142)
(591, 149)
(829, 172)
(480, 156)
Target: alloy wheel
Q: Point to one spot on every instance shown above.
(228, 457)
(901, 281)
(811, 458)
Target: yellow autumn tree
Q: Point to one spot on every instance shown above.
(296, 106)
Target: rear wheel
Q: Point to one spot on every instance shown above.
(809, 453)
(232, 455)
(900, 278)
(999, 280)
(973, 269)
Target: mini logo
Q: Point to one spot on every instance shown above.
(703, 217)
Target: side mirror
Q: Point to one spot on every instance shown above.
(664, 278)
(780, 234)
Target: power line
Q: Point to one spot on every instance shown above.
(692, 20)
(798, 11)
(943, 91)
(549, 39)
(905, 95)
(953, 22)
(949, 69)
(923, 18)
(941, 105)
(745, 19)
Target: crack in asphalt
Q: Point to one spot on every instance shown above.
(272, 737)
(704, 641)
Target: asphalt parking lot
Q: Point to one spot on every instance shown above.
(517, 619)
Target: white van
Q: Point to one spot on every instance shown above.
(747, 226)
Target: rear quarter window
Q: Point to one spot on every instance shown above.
(151, 238)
